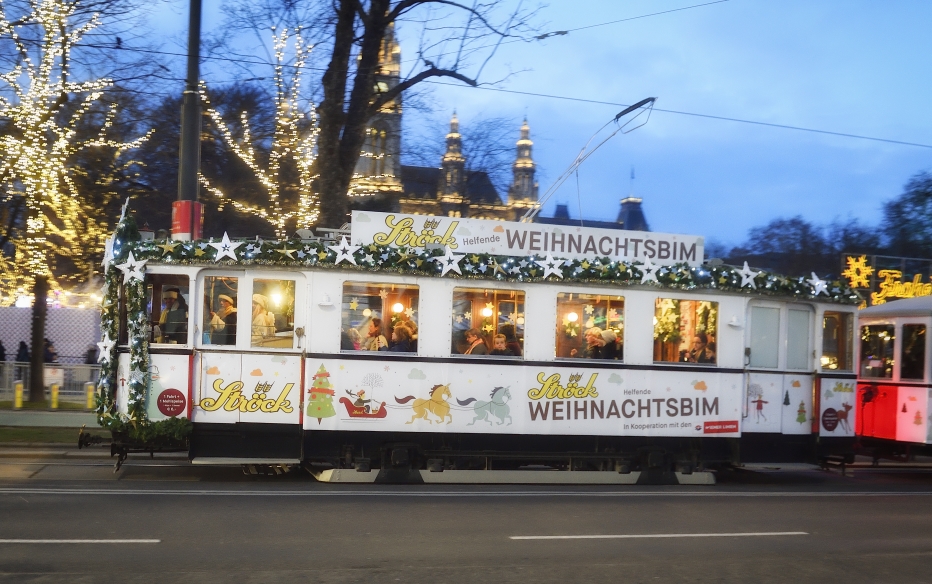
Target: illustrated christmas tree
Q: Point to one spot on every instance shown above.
(801, 413)
(320, 404)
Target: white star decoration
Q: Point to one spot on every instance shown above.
(132, 268)
(225, 247)
(344, 251)
(818, 285)
(108, 254)
(747, 276)
(648, 272)
(551, 266)
(450, 261)
(106, 346)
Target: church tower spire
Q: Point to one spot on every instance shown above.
(523, 191)
(378, 171)
(453, 167)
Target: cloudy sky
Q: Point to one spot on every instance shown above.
(858, 67)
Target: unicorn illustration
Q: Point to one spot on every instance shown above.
(437, 405)
(497, 406)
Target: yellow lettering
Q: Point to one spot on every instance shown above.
(228, 393)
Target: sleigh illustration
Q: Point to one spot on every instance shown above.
(355, 411)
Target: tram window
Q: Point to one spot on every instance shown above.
(167, 301)
(764, 340)
(837, 332)
(797, 339)
(480, 314)
(913, 356)
(379, 317)
(685, 331)
(221, 309)
(877, 350)
(590, 326)
(273, 313)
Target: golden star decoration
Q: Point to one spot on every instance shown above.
(497, 267)
(723, 280)
(198, 252)
(322, 255)
(168, 247)
(373, 248)
(287, 252)
(585, 265)
(474, 258)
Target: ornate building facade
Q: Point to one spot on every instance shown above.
(382, 183)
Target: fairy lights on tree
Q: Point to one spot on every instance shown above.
(292, 152)
(46, 120)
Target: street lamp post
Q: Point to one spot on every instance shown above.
(187, 212)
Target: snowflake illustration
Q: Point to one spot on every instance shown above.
(858, 272)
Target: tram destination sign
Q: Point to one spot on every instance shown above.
(524, 239)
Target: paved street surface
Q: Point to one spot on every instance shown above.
(166, 521)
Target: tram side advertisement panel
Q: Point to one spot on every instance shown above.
(502, 399)
(837, 416)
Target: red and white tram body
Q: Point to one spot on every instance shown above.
(692, 374)
(894, 388)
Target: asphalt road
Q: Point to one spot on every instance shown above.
(217, 525)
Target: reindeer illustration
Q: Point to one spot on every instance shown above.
(843, 417)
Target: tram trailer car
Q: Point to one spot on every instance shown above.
(362, 355)
(894, 390)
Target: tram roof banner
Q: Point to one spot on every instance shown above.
(525, 239)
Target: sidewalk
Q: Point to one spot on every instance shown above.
(48, 419)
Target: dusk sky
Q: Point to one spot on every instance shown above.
(854, 67)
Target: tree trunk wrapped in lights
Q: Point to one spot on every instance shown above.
(49, 121)
(288, 175)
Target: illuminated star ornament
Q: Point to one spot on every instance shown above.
(747, 276)
(551, 266)
(289, 253)
(819, 286)
(450, 261)
(225, 248)
(132, 269)
(106, 347)
(649, 272)
(344, 251)
(858, 272)
(168, 247)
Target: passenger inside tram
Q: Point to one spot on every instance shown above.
(500, 347)
(173, 322)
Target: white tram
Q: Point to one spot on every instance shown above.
(616, 350)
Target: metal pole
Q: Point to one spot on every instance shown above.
(186, 216)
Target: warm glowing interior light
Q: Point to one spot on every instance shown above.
(367, 313)
(398, 307)
(572, 317)
(486, 312)
(276, 299)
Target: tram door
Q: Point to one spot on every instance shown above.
(780, 369)
(249, 340)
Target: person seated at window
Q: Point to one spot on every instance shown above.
(263, 321)
(402, 339)
(375, 340)
(173, 322)
(500, 347)
(355, 341)
(699, 352)
(610, 349)
(511, 338)
(476, 345)
(223, 322)
(594, 344)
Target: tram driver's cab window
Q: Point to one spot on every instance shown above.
(272, 313)
(488, 322)
(379, 317)
(913, 352)
(167, 302)
(877, 350)
(590, 326)
(221, 314)
(837, 341)
(685, 331)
